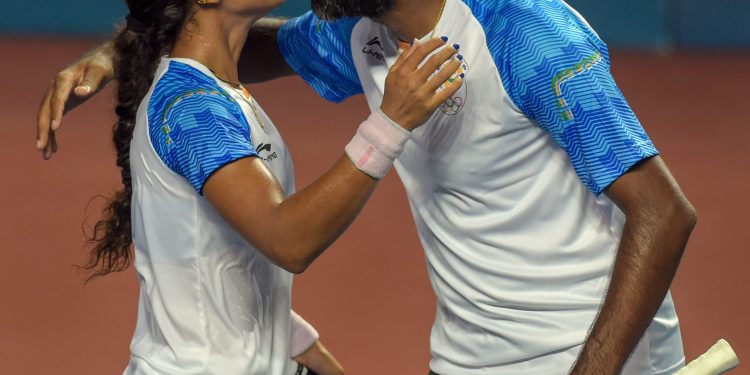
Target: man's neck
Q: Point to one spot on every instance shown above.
(411, 19)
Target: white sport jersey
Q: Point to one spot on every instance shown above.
(504, 180)
(210, 303)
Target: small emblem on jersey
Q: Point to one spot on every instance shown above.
(374, 48)
(269, 154)
(166, 131)
(568, 74)
(456, 103)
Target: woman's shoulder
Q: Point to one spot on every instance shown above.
(184, 90)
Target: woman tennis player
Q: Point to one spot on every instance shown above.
(208, 197)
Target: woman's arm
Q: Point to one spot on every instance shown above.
(320, 361)
(305, 348)
(294, 231)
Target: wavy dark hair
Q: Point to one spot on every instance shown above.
(151, 31)
(335, 9)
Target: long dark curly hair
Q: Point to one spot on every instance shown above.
(152, 29)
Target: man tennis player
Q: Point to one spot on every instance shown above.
(551, 226)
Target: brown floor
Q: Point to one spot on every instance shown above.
(369, 295)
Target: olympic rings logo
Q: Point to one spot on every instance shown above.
(452, 106)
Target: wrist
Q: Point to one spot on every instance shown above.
(377, 144)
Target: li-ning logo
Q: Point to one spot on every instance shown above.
(267, 148)
(374, 48)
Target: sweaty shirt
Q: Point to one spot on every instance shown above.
(210, 303)
(505, 179)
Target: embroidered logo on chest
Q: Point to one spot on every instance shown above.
(456, 103)
(265, 152)
(374, 48)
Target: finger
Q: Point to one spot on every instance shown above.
(53, 142)
(43, 120)
(51, 146)
(420, 52)
(91, 81)
(445, 75)
(448, 91)
(416, 43)
(63, 86)
(47, 152)
(435, 62)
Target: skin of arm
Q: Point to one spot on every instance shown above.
(292, 232)
(659, 222)
(320, 361)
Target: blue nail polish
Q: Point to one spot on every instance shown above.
(459, 57)
(444, 38)
(463, 75)
(456, 46)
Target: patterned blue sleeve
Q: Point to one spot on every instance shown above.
(320, 52)
(557, 71)
(200, 132)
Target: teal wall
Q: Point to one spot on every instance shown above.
(670, 23)
(293, 8)
(629, 23)
(636, 23)
(69, 17)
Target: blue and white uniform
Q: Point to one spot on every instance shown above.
(505, 179)
(210, 303)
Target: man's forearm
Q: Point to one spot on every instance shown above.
(652, 244)
(261, 59)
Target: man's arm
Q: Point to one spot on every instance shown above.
(261, 59)
(588, 117)
(659, 222)
(84, 78)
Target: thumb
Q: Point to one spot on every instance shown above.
(90, 82)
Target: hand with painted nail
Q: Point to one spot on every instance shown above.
(83, 78)
(412, 88)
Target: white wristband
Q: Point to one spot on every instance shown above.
(378, 142)
(302, 337)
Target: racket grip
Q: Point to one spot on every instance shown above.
(717, 360)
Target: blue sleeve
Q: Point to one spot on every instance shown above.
(557, 71)
(199, 134)
(321, 53)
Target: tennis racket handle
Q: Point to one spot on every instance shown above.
(717, 360)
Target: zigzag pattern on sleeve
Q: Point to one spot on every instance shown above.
(321, 53)
(557, 71)
(195, 126)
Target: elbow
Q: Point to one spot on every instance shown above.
(675, 213)
(294, 259)
(678, 220)
(296, 267)
(684, 215)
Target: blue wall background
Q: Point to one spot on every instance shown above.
(653, 24)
